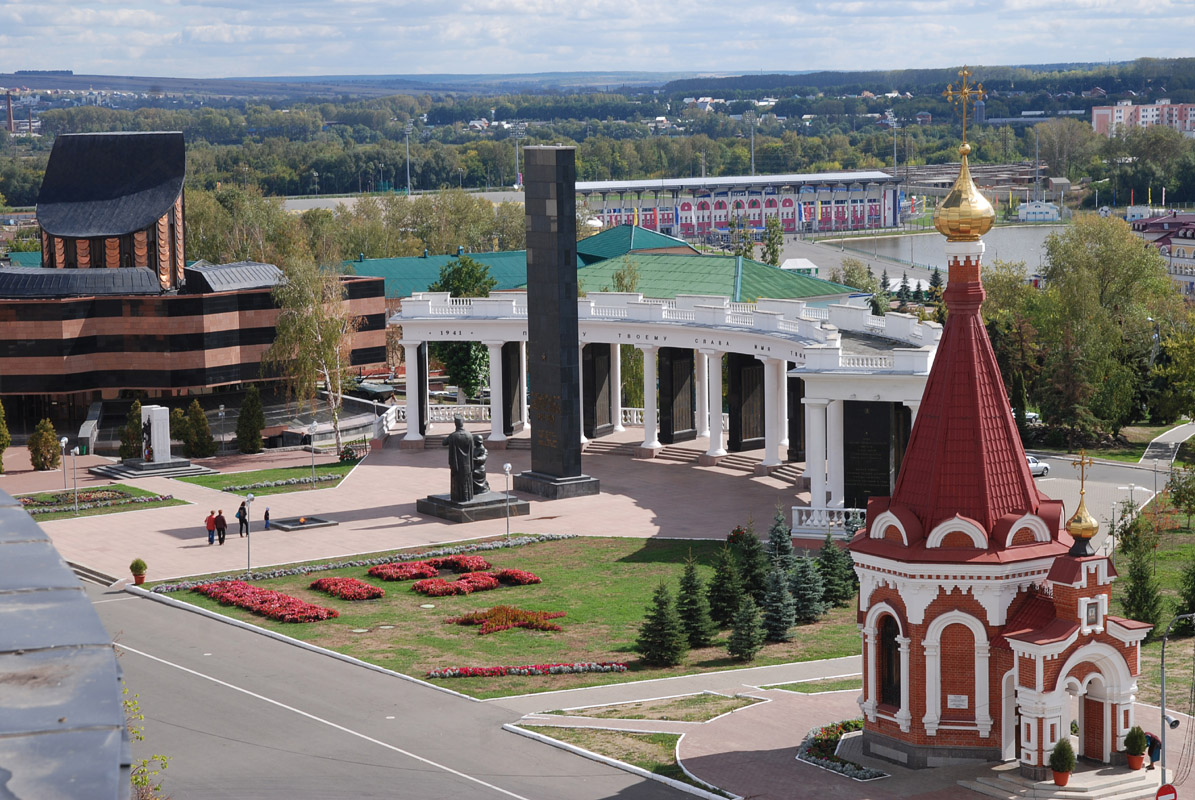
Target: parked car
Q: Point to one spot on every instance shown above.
(1037, 468)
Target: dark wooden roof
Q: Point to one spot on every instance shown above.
(110, 184)
(35, 282)
(202, 277)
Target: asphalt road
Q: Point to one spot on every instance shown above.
(245, 716)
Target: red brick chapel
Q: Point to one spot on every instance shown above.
(984, 611)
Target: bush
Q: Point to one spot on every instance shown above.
(662, 641)
(1134, 742)
(130, 434)
(5, 437)
(1062, 759)
(250, 421)
(43, 446)
(137, 567)
(748, 635)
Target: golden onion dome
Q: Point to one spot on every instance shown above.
(1082, 525)
(965, 214)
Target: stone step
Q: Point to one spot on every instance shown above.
(91, 575)
(1082, 782)
(1005, 783)
(121, 473)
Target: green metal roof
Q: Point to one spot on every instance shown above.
(623, 239)
(407, 275)
(26, 259)
(666, 276)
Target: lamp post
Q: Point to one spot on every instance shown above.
(248, 537)
(62, 442)
(506, 469)
(220, 414)
(749, 118)
(311, 434)
(1168, 721)
(460, 178)
(407, 131)
(75, 477)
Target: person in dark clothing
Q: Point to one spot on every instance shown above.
(221, 526)
(243, 518)
(1153, 746)
(266, 517)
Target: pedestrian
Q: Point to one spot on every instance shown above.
(210, 522)
(1154, 745)
(243, 518)
(266, 517)
(221, 526)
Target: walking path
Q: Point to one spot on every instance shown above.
(1165, 447)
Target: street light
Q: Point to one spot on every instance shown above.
(460, 172)
(62, 442)
(220, 414)
(75, 477)
(506, 469)
(248, 538)
(407, 131)
(311, 433)
(1168, 721)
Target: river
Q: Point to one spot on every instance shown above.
(1012, 243)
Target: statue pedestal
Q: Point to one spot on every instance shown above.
(491, 505)
(554, 488)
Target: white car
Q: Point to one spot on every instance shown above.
(1037, 468)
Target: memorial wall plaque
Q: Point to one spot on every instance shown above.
(595, 363)
(677, 395)
(867, 448)
(745, 398)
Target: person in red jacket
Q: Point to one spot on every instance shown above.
(210, 522)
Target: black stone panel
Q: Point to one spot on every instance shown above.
(867, 441)
(677, 395)
(746, 401)
(421, 381)
(512, 384)
(796, 417)
(597, 408)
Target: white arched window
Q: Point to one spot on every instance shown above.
(933, 672)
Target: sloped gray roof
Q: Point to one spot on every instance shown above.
(62, 726)
(110, 184)
(35, 282)
(202, 277)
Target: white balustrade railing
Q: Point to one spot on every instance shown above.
(866, 362)
(632, 416)
(469, 413)
(817, 313)
(817, 521)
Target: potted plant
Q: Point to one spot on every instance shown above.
(1062, 761)
(138, 570)
(1135, 746)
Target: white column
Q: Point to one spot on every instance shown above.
(782, 403)
(815, 450)
(616, 387)
(497, 411)
(869, 697)
(702, 418)
(651, 421)
(904, 717)
(523, 383)
(415, 390)
(771, 436)
(714, 402)
(835, 456)
(581, 387)
(913, 405)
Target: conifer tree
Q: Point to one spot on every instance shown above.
(202, 443)
(935, 279)
(837, 570)
(753, 564)
(250, 421)
(662, 640)
(748, 634)
(779, 610)
(43, 446)
(180, 428)
(780, 542)
(885, 286)
(903, 293)
(5, 437)
(807, 591)
(726, 589)
(130, 434)
(1186, 598)
(694, 608)
(1142, 598)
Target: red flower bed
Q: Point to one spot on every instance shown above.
(517, 577)
(404, 571)
(466, 584)
(460, 564)
(503, 618)
(348, 588)
(266, 602)
(825, 741)
(531, 669)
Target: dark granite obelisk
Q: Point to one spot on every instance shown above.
(553, 367)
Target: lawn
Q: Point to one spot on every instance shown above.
(827, 685)
(67, 499)
(222, 481)
(690, 708)
(603, 586)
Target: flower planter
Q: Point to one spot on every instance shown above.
(1061, 778)
(140, 579)
(1136, 762)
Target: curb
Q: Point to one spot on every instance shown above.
(622, 765)
(280, 637)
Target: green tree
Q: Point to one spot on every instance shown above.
(313, 339)
(201, 443)
(903, 293)
(626, 279)
(753, 563)
(43, 446)
(466, 363)
(838, 579)
(180, 429)
(130, 434)
(773, 241)
(779, 610)
(693, 606)
(935, 283)
(1181, 488)
(1186, 598)
(780, 542)
(250, 420)
(747, 637)
(662, 641)
(5, 437)
(1142, 598)
(726, 589)
(807, 590)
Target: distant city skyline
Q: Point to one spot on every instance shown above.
(236, 38)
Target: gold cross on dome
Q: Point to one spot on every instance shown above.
(966, 93)
(1082, 464)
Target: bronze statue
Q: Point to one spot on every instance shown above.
(147, 449)
(460, 461)
(480, 484)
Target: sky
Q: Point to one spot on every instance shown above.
(227, 38)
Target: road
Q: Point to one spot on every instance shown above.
(245, 716)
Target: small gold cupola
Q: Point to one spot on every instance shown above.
(964, 215)
(1082, 526)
